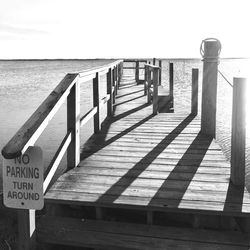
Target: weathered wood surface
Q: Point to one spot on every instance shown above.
(119, 235)
(154, 163)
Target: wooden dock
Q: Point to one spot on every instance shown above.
(145, 179)
(153, 163)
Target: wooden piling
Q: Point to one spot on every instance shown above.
(96, 81)
(238, 139)
(195, 78)
(73, 126)
(209, 87)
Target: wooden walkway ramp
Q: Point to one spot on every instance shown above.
(152, 163)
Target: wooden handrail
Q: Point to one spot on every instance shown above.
(35, 125)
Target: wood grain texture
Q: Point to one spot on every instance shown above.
(134, 236)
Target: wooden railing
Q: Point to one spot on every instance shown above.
(153, 77)
(67, 90)
(210, 55)
(136, 66)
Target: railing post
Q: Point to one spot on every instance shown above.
(154, 61)
(73, 126)
(238, 139)
(149, 85)
(155, 90)
(109, 92)
(171, 83)
(160, 71)
(209, 87)
(137, 72)
(195, 78)
(145, 79)
(113, 84)
(96, 81)
(26, 229)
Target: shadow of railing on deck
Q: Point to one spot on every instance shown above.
(130, 93)
(129, 100)
(101, 138)
(177, 173)
(234, 198)
(118, 188)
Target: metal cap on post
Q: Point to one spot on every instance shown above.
(210, 51)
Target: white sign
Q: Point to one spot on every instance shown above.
(23, 180)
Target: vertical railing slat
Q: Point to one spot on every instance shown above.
(109, 92)
(155, 90)
(137, 72)
(194, 101)
(171, 83)
(96, 81)
(73, 126)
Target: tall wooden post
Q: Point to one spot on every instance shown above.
(209, 87)
(155, 90)
(96, 81)
(109, 92)
(171, 83)
(73, 126)
(238, 140)
(194, 105)
(137, 72)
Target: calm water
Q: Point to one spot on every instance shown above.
(25, 84)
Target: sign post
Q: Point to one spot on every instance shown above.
(23, 180)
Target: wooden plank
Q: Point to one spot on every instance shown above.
(161, 155)
(34, 126)
(73, 126)
(134, 236)
(187, 234)
(154, 174)
(92, 180)
(216, 170)
(153, 194)
(146, 203)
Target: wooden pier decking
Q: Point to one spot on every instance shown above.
(152, 163)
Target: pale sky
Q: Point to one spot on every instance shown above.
(121, 28)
